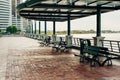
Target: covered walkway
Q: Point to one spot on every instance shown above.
(23, 59)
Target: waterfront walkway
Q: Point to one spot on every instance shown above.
(23, 59)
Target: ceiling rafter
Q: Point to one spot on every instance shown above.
(52, 6)
(39, 15)
(53, 12)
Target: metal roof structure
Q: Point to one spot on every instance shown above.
(59, 10)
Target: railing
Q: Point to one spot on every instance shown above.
(59, 38)
(76, 41)
(113, 46)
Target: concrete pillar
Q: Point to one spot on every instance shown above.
(98, 37)
(69, 40)
(54, 38)
(97, 41)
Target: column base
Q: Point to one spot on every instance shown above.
(69, 40)
(97, 41)
(54, 38)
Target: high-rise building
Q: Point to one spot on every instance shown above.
(16, 19)
(5, 14)
(8, 14)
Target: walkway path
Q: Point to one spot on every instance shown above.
(23, 59)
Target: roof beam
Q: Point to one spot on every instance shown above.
(105, 3)
(74, 1)
(53, 6)
(54, 12)
(34, 15)
(58, 1)
(46, 19)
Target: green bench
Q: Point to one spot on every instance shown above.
(46, 41)
(61, 46)
(93, 54)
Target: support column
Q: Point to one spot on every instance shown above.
(32, 31)
(32, 28)
(39, 27)
(69, 37)
(45, 28)
(54, 32)
(35, 27)
(39, 35)
(54, 28)
(98, 37)
(69, 26)
(98, 21)
(29, 30)
(35, 32)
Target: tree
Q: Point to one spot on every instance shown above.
(14, 29)
(11, 29)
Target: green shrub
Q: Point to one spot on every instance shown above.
(11, 29)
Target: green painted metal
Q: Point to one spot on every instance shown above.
(44, 14)
(21, 6)
(35, 27)
(27, 4)
(69, 26)
(32, 28)
(31, 2)
(45, 28)
(98, 34)
(54, 28)
(39, 27)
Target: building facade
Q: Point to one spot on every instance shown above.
(16, 19)
(5, 14)
(8, 14)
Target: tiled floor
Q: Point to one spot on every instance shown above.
(23, 59)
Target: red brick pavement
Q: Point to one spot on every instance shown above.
(26, 60)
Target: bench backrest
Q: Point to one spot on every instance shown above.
(83, 43)
(95, 50)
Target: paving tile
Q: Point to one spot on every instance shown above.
(23, 59)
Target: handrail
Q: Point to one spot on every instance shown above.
(75, 40)
(112, 45)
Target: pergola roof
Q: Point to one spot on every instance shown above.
(59, 10)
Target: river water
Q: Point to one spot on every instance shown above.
(108, 36)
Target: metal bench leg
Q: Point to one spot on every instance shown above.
(82, 59)
(109, 62)
(92, 63)
(95, 61)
